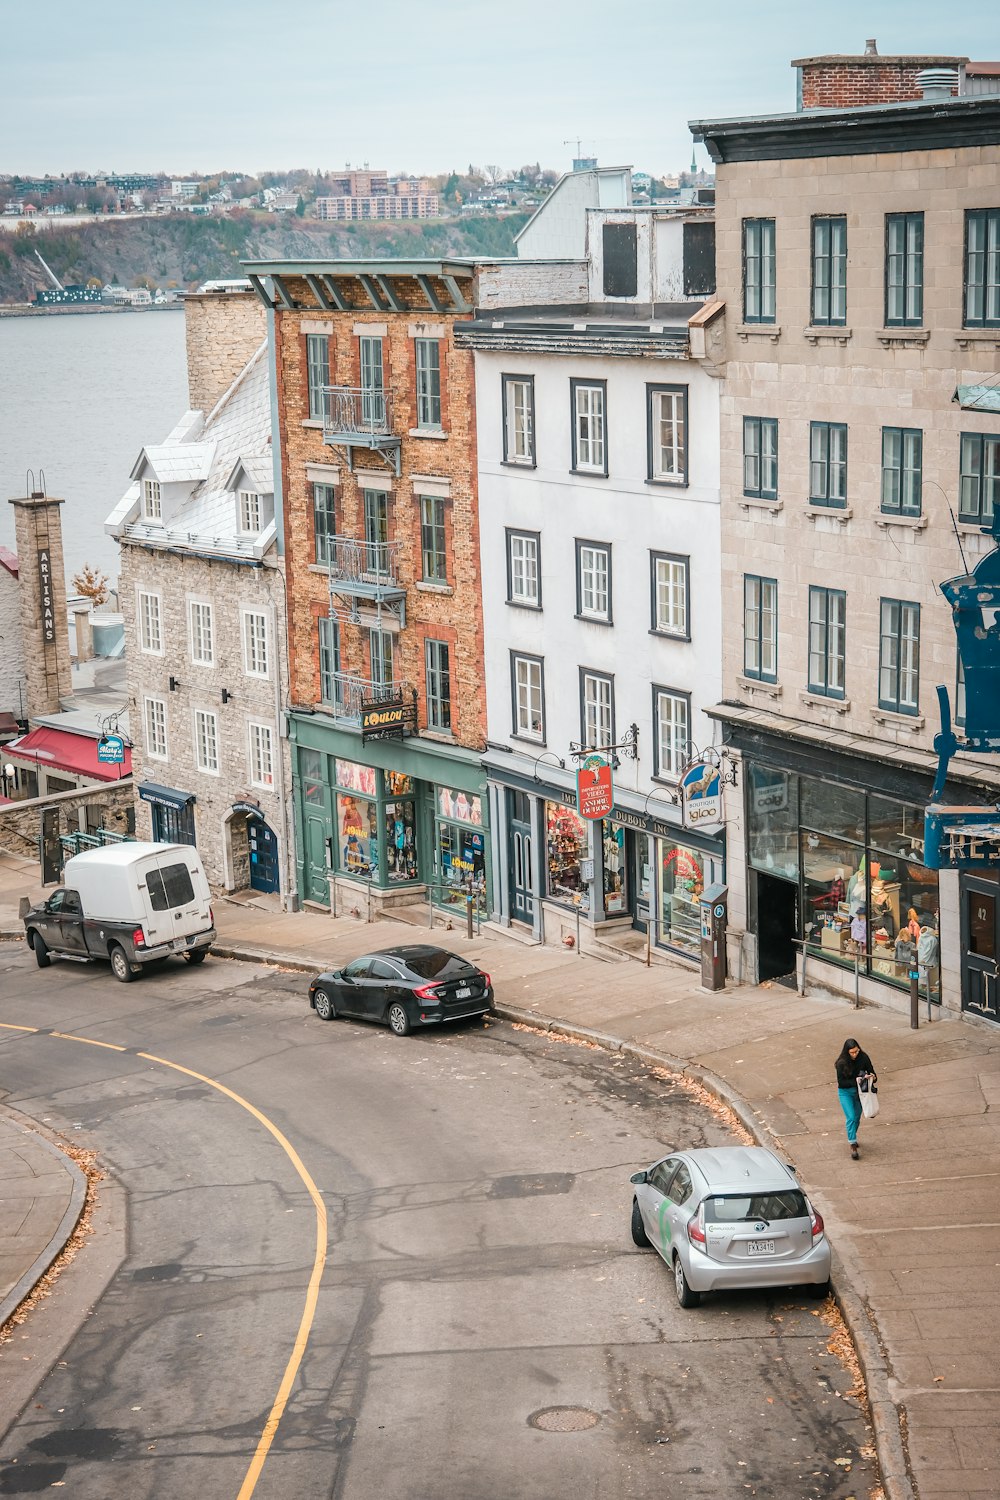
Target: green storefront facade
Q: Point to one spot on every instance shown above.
(392, 821)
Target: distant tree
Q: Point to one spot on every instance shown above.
(300, 207)
(92, 584)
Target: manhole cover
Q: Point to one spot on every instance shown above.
(563, 1419)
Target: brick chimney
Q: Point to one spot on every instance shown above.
(223, 329)
(838, 82)
(42, 580)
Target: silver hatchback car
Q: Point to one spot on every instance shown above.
(726, 1218)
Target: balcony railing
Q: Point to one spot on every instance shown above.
(362, 415)
(347, 694)
(372, 565)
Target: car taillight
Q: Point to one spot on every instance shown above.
(427, 992)
(211, 916)
(487, 981)
(815, 1223)
(139, 938)
(696, 1227)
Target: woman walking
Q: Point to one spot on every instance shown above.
(851, 1065)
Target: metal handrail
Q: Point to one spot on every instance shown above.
(356, 561)
(352, 409)
(351, 693)
(477, 889)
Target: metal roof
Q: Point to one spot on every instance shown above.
(460, 266)
(978, 397)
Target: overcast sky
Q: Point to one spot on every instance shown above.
(208, 85)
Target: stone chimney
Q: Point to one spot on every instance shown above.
(223, 329)
(852, 82)
(42, 581)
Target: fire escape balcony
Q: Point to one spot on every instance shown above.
(360, 419)
(347, 694)
(368, 571)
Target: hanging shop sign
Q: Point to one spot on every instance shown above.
(388, 720)
(961, 838)
(595, 795)
(111, 750)
(46, 598)
(701, 793)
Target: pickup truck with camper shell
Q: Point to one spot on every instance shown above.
(129, 904)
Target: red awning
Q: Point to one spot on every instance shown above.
(57, 750)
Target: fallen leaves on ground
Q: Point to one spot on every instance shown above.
(87, 1162)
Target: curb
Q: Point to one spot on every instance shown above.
(78, 1197)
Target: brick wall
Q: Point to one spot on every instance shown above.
(452, 613)
(222, 330)
(850, 82)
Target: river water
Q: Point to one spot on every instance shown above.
(80, 396)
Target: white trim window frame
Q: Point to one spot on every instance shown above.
(589, 412)
(249, 513)
(671, 595)
(201, 631)
(667, 435)
(206, 741)
(672, 737)
(593, 581)
(597, 709)
(152, 500)
(519, 419)
(528, 694)
(524, 569)
(149, 620)
(256, 662)
(154, 716)
(260, 738)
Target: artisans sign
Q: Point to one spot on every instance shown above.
(46, 599)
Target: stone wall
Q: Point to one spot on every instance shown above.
(13, 684)
(223, 330)
(107, 807)
(48, 671)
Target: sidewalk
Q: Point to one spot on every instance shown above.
(915, 1224)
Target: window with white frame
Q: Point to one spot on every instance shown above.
(518, 419)
(527, 682)
(249, 512)
(156, 728)
(667, 435)
(152, 508)
(206, 741)
(150, 629)
(672, 740)
(255, 643)
(202, 648)
(597, 709)
(428, 356)
(524, 582)
(760, 627)
(261, 754)
(593, 581)
(670, 594)
(590, 448)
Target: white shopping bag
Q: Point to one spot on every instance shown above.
(868, 1094)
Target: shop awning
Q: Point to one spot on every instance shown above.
(57, 750)
(164, 796)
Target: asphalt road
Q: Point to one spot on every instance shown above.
(472, 1322)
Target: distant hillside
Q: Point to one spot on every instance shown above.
(181, 250)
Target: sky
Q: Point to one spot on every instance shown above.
(264, 85)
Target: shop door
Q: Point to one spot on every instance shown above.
(520, 853)
(316, 883)
(980, 946)
(777, 927)
(263, 855)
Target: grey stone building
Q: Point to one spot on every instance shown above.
(202, 593)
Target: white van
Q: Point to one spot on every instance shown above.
(129, 903)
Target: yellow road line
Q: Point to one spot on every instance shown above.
(312, 1291)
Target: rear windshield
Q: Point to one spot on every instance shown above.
(437, 965)
(735, 1207)
(169, 886)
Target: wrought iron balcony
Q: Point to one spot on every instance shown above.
(359, 419)
(367, 568)
(347, 695)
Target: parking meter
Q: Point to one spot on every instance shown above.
(714, 903)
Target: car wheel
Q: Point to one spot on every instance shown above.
(42, 955)
(120, 966)
(399, 1021)
(197, 955)
(685, 1296)
(639, 1235)
(325, 1008)
(819, 1289)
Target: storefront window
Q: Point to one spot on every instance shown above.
(567, 843)
(614, 869)
(458, 805)
(355, 778)
(835, 892)
(398, 784)
(773, 821)
(905, 922)
(896, 826)
(682, 880)
(461, 850)
(832, 809)
(400, 841)
(357, 823)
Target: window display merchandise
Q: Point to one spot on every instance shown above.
(682, 882)
(566, 844)
(461, 848)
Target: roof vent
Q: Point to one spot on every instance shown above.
(937, 83)
(871, 47)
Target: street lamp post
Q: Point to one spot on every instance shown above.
(8, 775)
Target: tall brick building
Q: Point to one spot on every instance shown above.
(379, 524)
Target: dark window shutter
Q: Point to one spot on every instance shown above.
(620, 260)
(699, 259)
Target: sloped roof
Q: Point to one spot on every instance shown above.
(258, 470)
(8, 560)
(177, 463)
(978, 397)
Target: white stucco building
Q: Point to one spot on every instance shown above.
(598, 431)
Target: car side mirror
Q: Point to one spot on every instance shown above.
(639, 1177)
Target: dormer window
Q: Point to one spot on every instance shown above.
(249, 512)
(151, 507)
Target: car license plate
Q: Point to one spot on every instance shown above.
(760, 1247)
(179, 944)
(463, 993)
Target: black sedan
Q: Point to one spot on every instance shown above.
(415, 985)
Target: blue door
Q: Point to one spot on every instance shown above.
(263, 855)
